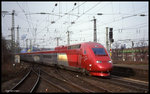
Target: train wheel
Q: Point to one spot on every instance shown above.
(87, 73)
(83, 71)
(56, 66)
(61, 66)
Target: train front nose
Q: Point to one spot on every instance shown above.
(105, 66)
(102, 68)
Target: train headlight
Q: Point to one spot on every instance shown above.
(109, 61)
(98, 61)
(90, 65)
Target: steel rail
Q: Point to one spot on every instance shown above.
(21, 80)
(36, 83)
(131, 84)
(105, 90)
(55, 85)
(143, 83)
(81, 89)
(122, 83)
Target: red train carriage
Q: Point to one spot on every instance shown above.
(86, 57)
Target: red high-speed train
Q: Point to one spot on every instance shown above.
(87, 57)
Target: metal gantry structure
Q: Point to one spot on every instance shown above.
(12, 28)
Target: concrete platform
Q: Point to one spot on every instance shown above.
(140, 72)
(142, 67)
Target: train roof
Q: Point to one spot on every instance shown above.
(64, 47)
(79, 43)
(38, 52)
(85, 43)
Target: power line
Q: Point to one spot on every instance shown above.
(30, 15)
(25, 15)
(125, 17)
(55, 5)
(63, 16)
(87, 11)
(127, 28)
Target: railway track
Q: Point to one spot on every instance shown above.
(28, 83)
(81, 82)
(134, 84)
(130, 84)
(124, 83)
(64, 85)
(67, 81)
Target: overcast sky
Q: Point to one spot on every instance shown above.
(77, 17)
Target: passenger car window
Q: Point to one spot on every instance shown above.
(47, 56)
(74, 46)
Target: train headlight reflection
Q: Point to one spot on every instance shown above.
(98, 61)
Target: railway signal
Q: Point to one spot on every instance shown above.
(110, 39)
(111, 35)
(110, 52)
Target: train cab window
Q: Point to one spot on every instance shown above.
(99, 51)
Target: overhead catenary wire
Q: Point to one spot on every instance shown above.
(87, 11)
(122, 15)
(63, 16)
(29, 15)
(132, 27)
(125, 17)
(129, 15)
(80, 5)
(25, 16)
(69, 11)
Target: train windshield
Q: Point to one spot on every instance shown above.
(99, 51)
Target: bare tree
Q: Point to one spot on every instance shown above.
(116, 45)
(142, 42)
(5, 51)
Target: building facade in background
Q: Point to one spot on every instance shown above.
(140, 54)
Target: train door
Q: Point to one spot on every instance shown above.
(82, 58)
(79, 60)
